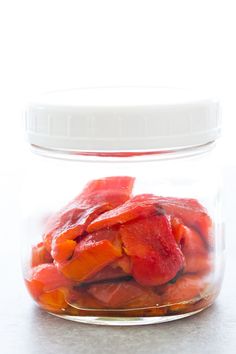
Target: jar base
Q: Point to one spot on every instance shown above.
(125, 321)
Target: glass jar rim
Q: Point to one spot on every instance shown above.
(123, 156)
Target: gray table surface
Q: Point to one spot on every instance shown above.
(24, 328)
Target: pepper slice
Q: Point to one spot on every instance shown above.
(132, 209)
(155, 256)
(45, 277)
(197, 258)
(190, 211)
(119, 267)
(185, 288)
(40, 255)
(71, 221)
(54, 300)
(126, 294)
(89, 258)
(109, 273)
(111, 234)
(63, 250)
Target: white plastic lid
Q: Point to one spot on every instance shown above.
(122, 119)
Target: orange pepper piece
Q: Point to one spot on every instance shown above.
(124, 263)
(63, 250)
(54, 300)
(89, 258)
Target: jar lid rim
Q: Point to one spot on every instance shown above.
(129, 118)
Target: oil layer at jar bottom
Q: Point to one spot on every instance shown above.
(139, 316)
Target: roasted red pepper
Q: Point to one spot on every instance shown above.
(109, 250)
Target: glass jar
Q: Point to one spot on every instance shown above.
(121, 206)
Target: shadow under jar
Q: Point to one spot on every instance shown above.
(121, 206)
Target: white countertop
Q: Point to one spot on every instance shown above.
(25, 329)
